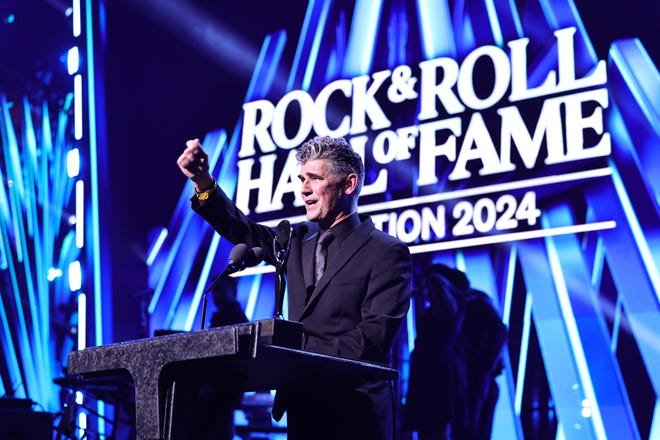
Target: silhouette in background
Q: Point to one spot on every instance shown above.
(437, 389)
(216, 418)
(452, 390)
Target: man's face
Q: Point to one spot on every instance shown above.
(322, 193)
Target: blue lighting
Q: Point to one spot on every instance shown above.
(156, 246)
(362, 39)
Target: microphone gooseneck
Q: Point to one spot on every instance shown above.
(240, 257)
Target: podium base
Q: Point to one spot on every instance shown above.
(280, 332)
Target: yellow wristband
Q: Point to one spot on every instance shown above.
(205, 194)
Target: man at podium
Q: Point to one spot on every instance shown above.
(348, 284)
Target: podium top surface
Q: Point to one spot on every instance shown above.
(241, 356)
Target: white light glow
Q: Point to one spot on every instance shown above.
(82, 321)
(53, 273)
(80, 214)
(73, 60)
(75, 276)
(77, 27)
(158, 243)
(82, 424)
(73, 162)
(77, 107)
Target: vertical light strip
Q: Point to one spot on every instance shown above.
(436, 29)
(77, 107)
(301, 42)
(254, 83)
(316, 43)
(364, 28)
(410, 325)
(570, 325)
(508, 287)
(494, 23)
(95, 248)
(80, 214)
(82, 321)
(93, 173)
(77, 28)
(522, 358)
(279, 43)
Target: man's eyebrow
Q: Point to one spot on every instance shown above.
(308, 174)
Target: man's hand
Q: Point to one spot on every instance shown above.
(194, 164)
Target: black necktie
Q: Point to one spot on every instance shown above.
(321, 253)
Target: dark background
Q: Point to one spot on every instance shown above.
(162, 88)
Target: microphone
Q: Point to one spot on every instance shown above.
(236, 258)
(281, 251)
(239, 258)
(283, 233)
(253, 257)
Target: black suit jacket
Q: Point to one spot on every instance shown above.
(355, 311)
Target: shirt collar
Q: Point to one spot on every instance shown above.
(345, 227)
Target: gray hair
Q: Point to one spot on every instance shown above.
(342, 159)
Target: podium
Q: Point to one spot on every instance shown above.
(256, 356)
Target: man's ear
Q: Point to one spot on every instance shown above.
(351, 184)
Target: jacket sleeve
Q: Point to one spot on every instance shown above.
(221, 213)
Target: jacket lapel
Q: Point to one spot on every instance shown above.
(349, 247)
(308, 260)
